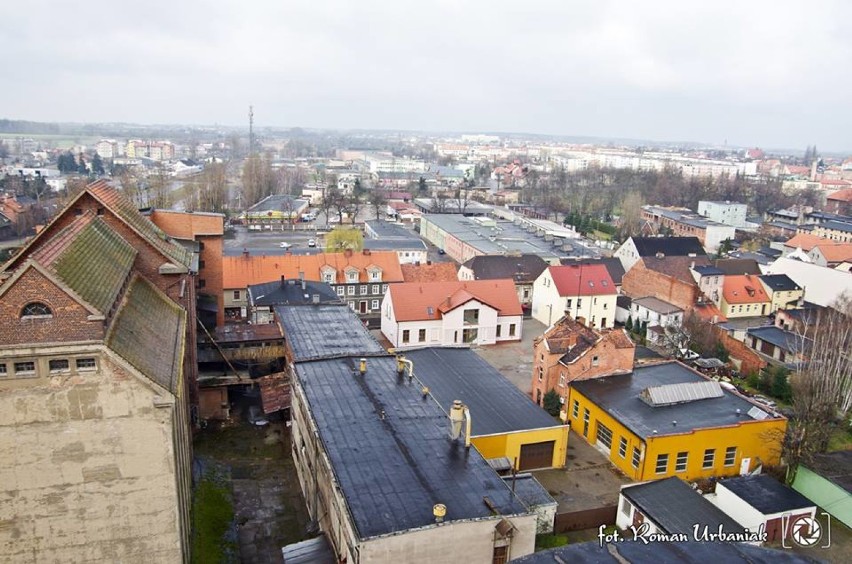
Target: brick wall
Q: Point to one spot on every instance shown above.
(640, 282)
(69, 321)
(749, 360)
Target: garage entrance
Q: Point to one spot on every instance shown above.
(536, 455)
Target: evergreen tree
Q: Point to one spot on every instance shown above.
(551, 403)
(629, 324)
(98, 165)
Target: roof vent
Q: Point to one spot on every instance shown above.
(439, 510)
(660, 255)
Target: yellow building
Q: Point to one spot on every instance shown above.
(668, 420)
(744, 296)
(782, 291)
(505, 422)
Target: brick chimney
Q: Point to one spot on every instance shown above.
(347, 253)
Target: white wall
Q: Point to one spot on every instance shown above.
(389, 325)
(627, 254)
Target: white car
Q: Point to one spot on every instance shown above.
(285, 245)
(312, 242)
(686, 354)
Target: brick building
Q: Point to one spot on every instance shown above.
(569, 351)
(96, 370)
(666, 278)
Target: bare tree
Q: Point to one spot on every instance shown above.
(630, 222)
(822, 388)
(159, 188)
(377, 201)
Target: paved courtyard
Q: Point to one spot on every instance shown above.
(514, 360)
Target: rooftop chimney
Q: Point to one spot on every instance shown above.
(362, 366)
(347, 253)
(315, 299)
(245, 252)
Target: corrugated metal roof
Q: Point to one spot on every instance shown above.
(669, 394)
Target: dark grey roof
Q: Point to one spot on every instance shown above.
(384, 229)
(496, 405)
(835, 467)
(766, 494)
(529, 490)
(394, 244)
(390, 450)
(708, 270)
(838, 225)
(325, 331)
(657, 305)
(669, 246)
(779, 282)
(786, 340)
(290, 292)
(770, 252)
(619, 396)
(612, 264)
(738, 266)
(637, 552)
(524, 268)
(676, 508)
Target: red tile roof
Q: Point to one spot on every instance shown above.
(437, 272)
(243, 271)
(188, 225)
(806, 242)
(744, 289)
(412, 301)
(582, 280)
(838, 252)
(841, 195)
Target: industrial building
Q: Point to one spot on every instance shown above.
(505, 424)
(667, 420)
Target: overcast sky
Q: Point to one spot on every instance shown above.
(765, 73)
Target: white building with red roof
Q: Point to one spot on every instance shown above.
(480, 312)
(582, 291)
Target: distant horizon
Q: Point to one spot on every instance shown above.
(564, 138)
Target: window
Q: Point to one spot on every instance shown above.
(3, 370)
(375, 275)
(730, 456)
(622, 447)
(595, 360)
(375, 304)
(576, 409)
(405, 335)
(470, 335)
(561, 380)
(364, 290)
(709, 458)
(637, 457)
(568, 304)
(384, 288)
(625, 507)
(328, 277)
(511, 329)
(499, 330)
(604, 436)
(85, 364)
(579, 302)
(376, 289)
(341, 291)
(36, 310)
(421, 335)
(59, 365)
(662, 463)
(202, 282)
(200, 264)
(24, 369)
(540, 373)
(471, 316)
(352, 276)
(236, 294)
(350, 290)
(680, 461)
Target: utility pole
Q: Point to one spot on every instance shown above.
(251, 130)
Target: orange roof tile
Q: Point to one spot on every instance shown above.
(244, 270)
(582, 280)
(744, 289)
(412, 301)
(838, 252)
(806, 242)
(437, 272)
(188, 225)
(841, 195)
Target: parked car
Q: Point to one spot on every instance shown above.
(285, 245)
(686, 354)
(312, 242)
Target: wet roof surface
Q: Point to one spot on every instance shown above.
(390, 450)
(325, 331)
(619, 395)
(496, 404)
(766, 494)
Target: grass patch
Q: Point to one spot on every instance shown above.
(543, 542)
(213, 513)
(841, 438)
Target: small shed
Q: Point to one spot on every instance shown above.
(755, 501)
(536, 498)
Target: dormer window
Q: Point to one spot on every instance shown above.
(352, 275)
(36, 310)
(375, 274)
(329, 275)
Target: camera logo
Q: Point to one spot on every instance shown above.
(806, 531)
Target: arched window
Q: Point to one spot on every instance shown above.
(36, 309)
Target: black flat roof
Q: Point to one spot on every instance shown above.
(637, 552)
(766, 494)
(496, 405)
(669, 246)
(676, 508)
(390, 450)
(394, 244)
(619, 396)
(779, 282)
(325, 331)
(290, 292)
